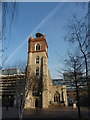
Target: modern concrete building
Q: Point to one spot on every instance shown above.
(12, 83)
(40, 90)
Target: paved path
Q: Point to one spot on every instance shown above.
(10, 113)
(66, 112)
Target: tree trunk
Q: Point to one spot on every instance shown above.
(77, 96)
(78, 106)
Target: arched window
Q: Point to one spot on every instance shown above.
(37, 71)
(37, 60)
(57, 97)
(37, 47)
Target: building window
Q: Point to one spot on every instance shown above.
(37, 71)
(37, 60)
(57, 97)
(37, 47)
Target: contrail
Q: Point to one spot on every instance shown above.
(36, 28)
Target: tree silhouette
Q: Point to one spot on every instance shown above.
(7, 13)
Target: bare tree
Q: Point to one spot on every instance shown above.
(7, 13)
(8, 10)
(74, 73)
(33, 84)
(89, 56)
(78, 33)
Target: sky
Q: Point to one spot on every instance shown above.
(49, 18)
(0, 33)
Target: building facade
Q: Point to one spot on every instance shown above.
(40, 90)
(12, 84)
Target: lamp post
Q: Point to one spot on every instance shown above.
(40, 99)
(20, 106)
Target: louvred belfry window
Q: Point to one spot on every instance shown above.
(37, 47)
(37, 71)
(37, 60)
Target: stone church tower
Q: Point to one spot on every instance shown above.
(38, 66)
(40, 90)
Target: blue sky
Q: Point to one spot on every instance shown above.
(48, 18)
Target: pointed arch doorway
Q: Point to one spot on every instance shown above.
(57, 97)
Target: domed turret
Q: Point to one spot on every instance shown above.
(39, 34)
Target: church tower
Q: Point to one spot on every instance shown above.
(39, 91)
(37, 49)
(37, 66)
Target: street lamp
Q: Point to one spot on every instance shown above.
(21, 105)
(40, 99)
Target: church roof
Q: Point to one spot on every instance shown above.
(58, 82)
